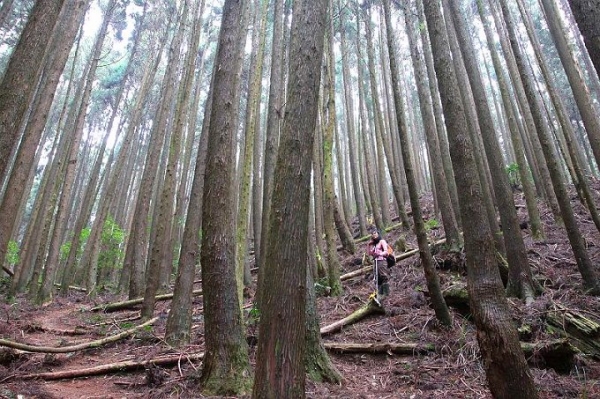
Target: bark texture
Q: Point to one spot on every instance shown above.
(498, 340)
(226, 366)
(22, 75)
(587, 15)
(280, 370)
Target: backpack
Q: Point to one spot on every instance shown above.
(390, 257)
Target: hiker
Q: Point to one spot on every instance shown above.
(378, 249)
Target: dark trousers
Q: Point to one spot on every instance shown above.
(382, 276)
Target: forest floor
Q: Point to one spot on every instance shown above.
(453, 369)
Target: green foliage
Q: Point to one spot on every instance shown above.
(12, 253)
(431, 224)
(65, 249)
(110, 78)
(322, 287)
(253, 316)
(127, 325)
(513, 174)
(112, 239)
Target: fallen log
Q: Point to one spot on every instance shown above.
(379, 348)
(71, 287)
(111, 307)
(557, 354)
(370, 308)
(356, 273)
(75, 348)
(457, 296)
(112, 367)
(582, 331)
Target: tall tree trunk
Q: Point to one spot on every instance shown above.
(319, 366)
(476, 137)
(94, 186)
(275, 113)
(341, 154)
(520, 279)
(280, 370)
(226, 365)
(530, 138)
(433, 282)
(352, 136)
(329, 201)
(587, 15)
(504, 363)
(532, 209)
(590, 280)
(57, 168)
(382, 142)
(61, 42)
(159, 270)
(179, 322)
(109, 192)
(252, 125)
(439, 122)
(573, 152)
(137, 248)
(318, 208)
(453, 238)
(22, 75)
(52, 262)
(35, 250)
(32, 238)
(370, 163)
(581, 92)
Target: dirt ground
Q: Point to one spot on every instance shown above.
(452, 370)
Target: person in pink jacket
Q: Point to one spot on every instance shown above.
(378, 249)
